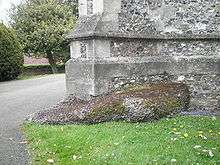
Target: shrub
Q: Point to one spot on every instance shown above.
(11, 58)
(41, 69)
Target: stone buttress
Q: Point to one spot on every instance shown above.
(121, 42)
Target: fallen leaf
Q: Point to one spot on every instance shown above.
(213, 118)
(68, 147)
(211, 153)
(74, 157)
(197, 146)
(203, 137)
(174, 139)
(177, 133)
(116, 144)
(186, 135)
(173, 160)
(51, 161)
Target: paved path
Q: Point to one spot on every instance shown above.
(17, 100)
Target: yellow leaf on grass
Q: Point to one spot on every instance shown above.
(186, 135)
(51, 161)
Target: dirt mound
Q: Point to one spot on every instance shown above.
(134, 103)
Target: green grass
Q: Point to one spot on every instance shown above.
(169, 141)
(27, 77)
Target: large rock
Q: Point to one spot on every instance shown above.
(134, 103)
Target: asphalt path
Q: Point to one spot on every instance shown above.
(18, 99)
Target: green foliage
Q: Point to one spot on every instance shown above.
(74, 6)
(180, 141)
(42, 26)
(11, 58)
(41, 69)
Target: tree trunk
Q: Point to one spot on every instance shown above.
(52, 63)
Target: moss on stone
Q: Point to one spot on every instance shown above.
(116, 108)
(163, 106)
(157, 87)
(172, 103)
(136, 103)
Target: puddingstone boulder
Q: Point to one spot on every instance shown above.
(136, 103)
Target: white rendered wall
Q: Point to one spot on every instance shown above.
(82, 8)
(75, 49)
(100, 6)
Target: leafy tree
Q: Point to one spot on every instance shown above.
(41, 26)
(74, 6)
(11, 58)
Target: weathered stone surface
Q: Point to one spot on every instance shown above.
(121, 42)
(136, 103)
(102, 76)
(139, 48)
(170, 17)
(151, 19)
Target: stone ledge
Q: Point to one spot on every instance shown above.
(151, 65)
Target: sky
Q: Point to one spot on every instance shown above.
(4, 6)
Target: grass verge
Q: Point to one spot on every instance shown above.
(27, 77)
(181, 140)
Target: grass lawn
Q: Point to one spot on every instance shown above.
(27, 77)
(182, 140)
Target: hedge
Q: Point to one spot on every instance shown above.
(41, 69)
(11, 58)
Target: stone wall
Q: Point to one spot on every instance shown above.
(135, 47)
(150, 19)
(180, 17)
(121, 42)
(205, 89)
